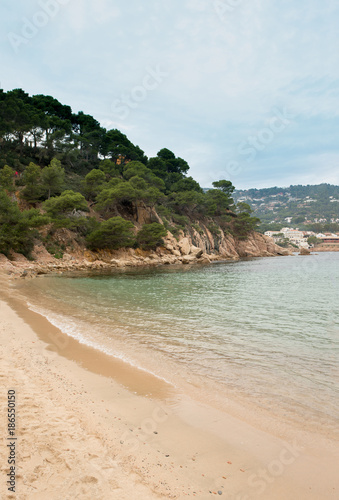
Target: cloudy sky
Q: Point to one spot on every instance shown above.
(245, 90)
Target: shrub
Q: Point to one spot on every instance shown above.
(7, 178)
(150, 235)
(214, 229)
(243, 225)
(64, 204)
(109, 198)
(17, 229)
(163, 211)
(181, 220)
(53, 178)
(93, 183)
(112, 234)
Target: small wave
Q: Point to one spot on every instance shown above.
(72, 329)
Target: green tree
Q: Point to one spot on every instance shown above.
(112, 234)
(243, 207)
(31, 178)
(217, 202)
(186, 184)
(108, 199)
(7, 178)
(158, 167)
(150, 235)
(17, 229)
(172, 163)
(151, 196)
(300, 219)
(53, 178)
(244, 224)
(136, 168)
(225, 186)
(65, 204)
(94, 183)
(313, 240)
(119, 148)
(110, 168)
(186, 200)
(138, 183)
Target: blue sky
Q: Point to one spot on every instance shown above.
(245, 90)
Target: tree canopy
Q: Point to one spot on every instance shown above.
(66, 165)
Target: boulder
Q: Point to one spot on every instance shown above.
(188, 259)
(176, 253)
(184, 246)
(304, 251)
(197, 252)
(205, 259)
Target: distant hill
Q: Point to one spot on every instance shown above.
(294, 205)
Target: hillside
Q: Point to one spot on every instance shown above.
(61, 171)
(296, 206)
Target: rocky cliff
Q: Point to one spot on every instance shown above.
(190, 247)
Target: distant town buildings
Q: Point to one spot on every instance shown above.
(299, 238)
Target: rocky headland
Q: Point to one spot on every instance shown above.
(187, 249)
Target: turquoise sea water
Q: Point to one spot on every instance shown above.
(263, 329)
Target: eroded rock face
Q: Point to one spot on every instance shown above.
(194, 248)
(258, 245)
(184, 246)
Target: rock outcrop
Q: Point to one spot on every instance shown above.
(304, 251)
(192, 248)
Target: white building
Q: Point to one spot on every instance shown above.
(295, 236)
(271, 234)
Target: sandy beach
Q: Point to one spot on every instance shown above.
(89, 426)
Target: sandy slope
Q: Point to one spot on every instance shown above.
(61, 455)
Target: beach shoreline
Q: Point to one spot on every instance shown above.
(99, 430)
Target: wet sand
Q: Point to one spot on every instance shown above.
(91, 426)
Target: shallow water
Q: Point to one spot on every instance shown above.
(262, 329)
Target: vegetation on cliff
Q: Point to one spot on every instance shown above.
(64, 170)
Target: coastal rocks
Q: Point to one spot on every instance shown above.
(204, 259)
(258, 245)
(304, 251)
(67, 257)
(188, 259)
(5, 263)
(195, 247)
(275, 249)
(197, 252)
(184, 246)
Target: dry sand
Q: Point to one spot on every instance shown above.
(89, 427)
